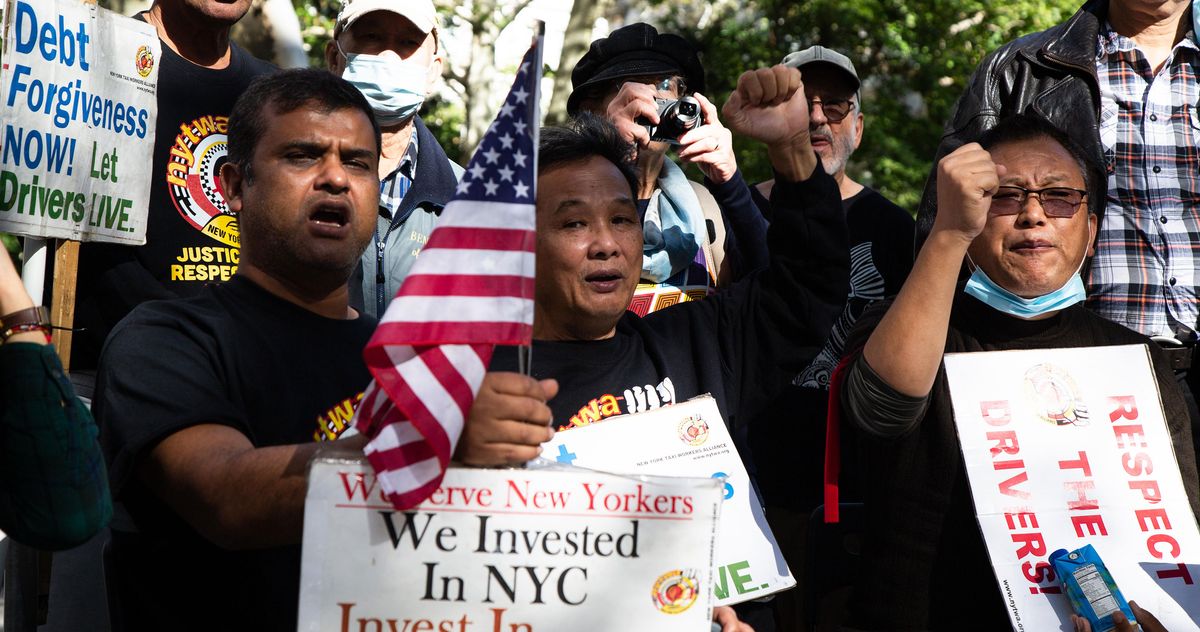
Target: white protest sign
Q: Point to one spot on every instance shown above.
(508, 551)
(689, 439)
(77, 92)
(1066, 447)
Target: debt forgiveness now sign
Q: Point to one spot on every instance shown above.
(1067, 447)
(77, 93)
(508, 551)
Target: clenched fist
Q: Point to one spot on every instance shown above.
(769, 105)
(966, 181)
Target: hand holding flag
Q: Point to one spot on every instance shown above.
(471, 288)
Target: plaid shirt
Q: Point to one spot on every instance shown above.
(394, 187)
(1146, 273)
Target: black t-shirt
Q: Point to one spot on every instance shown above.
(191, 237)
(740, 345)
(627, 376)
(234, 355)
(789, 442)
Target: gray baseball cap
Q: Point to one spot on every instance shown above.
(820, 54)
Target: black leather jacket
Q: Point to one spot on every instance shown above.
(1051, 74)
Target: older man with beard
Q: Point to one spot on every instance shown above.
(881, 235)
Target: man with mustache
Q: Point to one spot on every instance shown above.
(881, 235)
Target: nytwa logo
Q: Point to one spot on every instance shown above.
(1052, 393)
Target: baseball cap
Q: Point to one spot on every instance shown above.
(820, 54)
(419, 12)
(632, 51)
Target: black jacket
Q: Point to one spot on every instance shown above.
(1051, 74)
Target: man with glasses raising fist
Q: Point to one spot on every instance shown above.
(1016, 219)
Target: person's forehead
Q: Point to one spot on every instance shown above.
(820, 80)
(313, 122)
(385, 22)
(591, 182)
(1037, 159)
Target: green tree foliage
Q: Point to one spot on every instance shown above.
(914, 57)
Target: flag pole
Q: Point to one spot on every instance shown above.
(525, 352)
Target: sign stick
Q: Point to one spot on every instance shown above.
(62, 301)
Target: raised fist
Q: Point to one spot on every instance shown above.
(768, 105)
(967, 178)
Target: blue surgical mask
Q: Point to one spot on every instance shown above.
(395, 88)
(1000, 299)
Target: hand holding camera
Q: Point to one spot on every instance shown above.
(709, 145)
(634, 102)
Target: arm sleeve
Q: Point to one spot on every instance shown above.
(875, 407)
(53, 488)
(745, 226)
(772, 323)
(158, 376)
(112, 281)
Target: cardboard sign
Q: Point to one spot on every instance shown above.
(508, 551)
(689, 439)
(78, 102)
(1067, 447)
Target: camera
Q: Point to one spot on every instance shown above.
(675, 118)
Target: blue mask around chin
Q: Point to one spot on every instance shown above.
(395, 88)
(983, 288)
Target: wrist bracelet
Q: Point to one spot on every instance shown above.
(30, 319)
(22, 329)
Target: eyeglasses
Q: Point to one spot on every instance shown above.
(1056, 201)
(835, 109)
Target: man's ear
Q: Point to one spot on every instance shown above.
(435, 72)
(333, 58)
(232, 181)
(1092, 226)
(858, 129)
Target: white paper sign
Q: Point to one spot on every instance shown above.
(689, 439)
(1066, 447)
(77, 93)
(508, 551)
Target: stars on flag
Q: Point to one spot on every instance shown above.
(503, 164)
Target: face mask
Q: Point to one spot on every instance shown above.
(394, 88)
(1000, 299)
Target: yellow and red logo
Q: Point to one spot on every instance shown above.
(1055, 396)
(144, 61)
(675, 591)
(693, 430)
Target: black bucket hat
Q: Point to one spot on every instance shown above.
(631, 51)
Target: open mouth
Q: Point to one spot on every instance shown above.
(333, 215)
(604, 280)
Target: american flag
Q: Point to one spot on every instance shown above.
(471, 288)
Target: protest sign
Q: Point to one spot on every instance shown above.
(508, 550)
(77, 92)
(689, 439)
(1067, 447)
